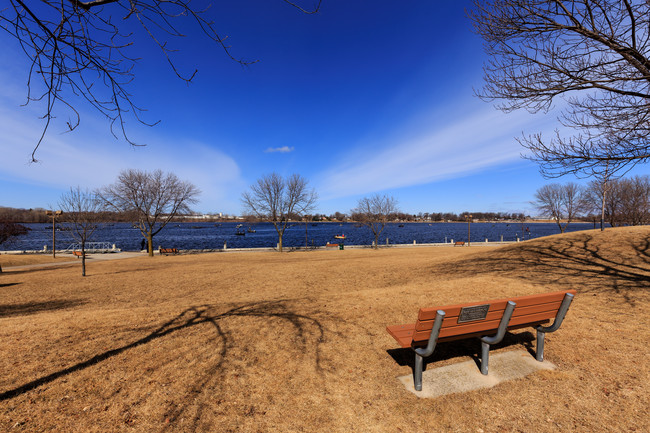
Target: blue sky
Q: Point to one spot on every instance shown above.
(361, 98)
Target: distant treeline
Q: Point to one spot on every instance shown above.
(419, 217)
(38, 215)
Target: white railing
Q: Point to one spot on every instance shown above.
(93, 247)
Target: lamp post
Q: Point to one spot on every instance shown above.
(469, 220)
(53, 214)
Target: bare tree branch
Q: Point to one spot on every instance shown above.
(80, 50)
(595, 55)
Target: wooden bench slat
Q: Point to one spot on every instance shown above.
(402, 333)
(522, 301)
(496, 314)
(483, 326)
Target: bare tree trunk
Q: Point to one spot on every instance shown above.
(602, 210)
(83, 259)
(150, 241)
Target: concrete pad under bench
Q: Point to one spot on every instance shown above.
(464, 376)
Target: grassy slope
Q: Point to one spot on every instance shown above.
(296, 342)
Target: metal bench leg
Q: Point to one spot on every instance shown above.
(421, 353)
(417, 373)
(501, 332)
(542, 330)
(539, 353)
(485, 357)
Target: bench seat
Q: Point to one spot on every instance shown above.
(531, 310)
(481, 319)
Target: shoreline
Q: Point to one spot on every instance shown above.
(66, 253)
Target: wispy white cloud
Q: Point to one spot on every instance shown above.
(283, 149)
(470, 143)
(91, 158)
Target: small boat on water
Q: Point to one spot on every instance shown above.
(240, 232)
(339, 236)
(251, 230)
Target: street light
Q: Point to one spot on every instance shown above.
(53, 214)
(469, 220)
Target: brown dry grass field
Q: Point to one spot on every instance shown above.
(7, 260)
(296, 342)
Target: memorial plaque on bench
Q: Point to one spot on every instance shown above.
(473, 313)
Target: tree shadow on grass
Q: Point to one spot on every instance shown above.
(29, 269)
(8, 310)
(304, 331)
(575, 262)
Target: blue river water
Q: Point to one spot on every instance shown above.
(207, 236)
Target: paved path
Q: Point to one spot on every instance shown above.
(93, 257)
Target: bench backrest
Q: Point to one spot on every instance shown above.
(530, 311)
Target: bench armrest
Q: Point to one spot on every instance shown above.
(564, 307)
(433, 338)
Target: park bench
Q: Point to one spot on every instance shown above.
(168, 251)
(459, 244)
(488, 321)
(77, 254)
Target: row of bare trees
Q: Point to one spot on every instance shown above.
(277, 199)
(619, 201)
(150, 199)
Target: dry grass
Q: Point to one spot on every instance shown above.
(267, 342)
(7, 260)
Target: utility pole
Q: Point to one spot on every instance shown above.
(53, 214)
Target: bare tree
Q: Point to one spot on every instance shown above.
(592, 53)
(153, 199)
(374, 212)
(10, 230)
(274, 199)
(84, 49)
(562, 203)
(627, 200)
(82, 211)
(634, 200)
